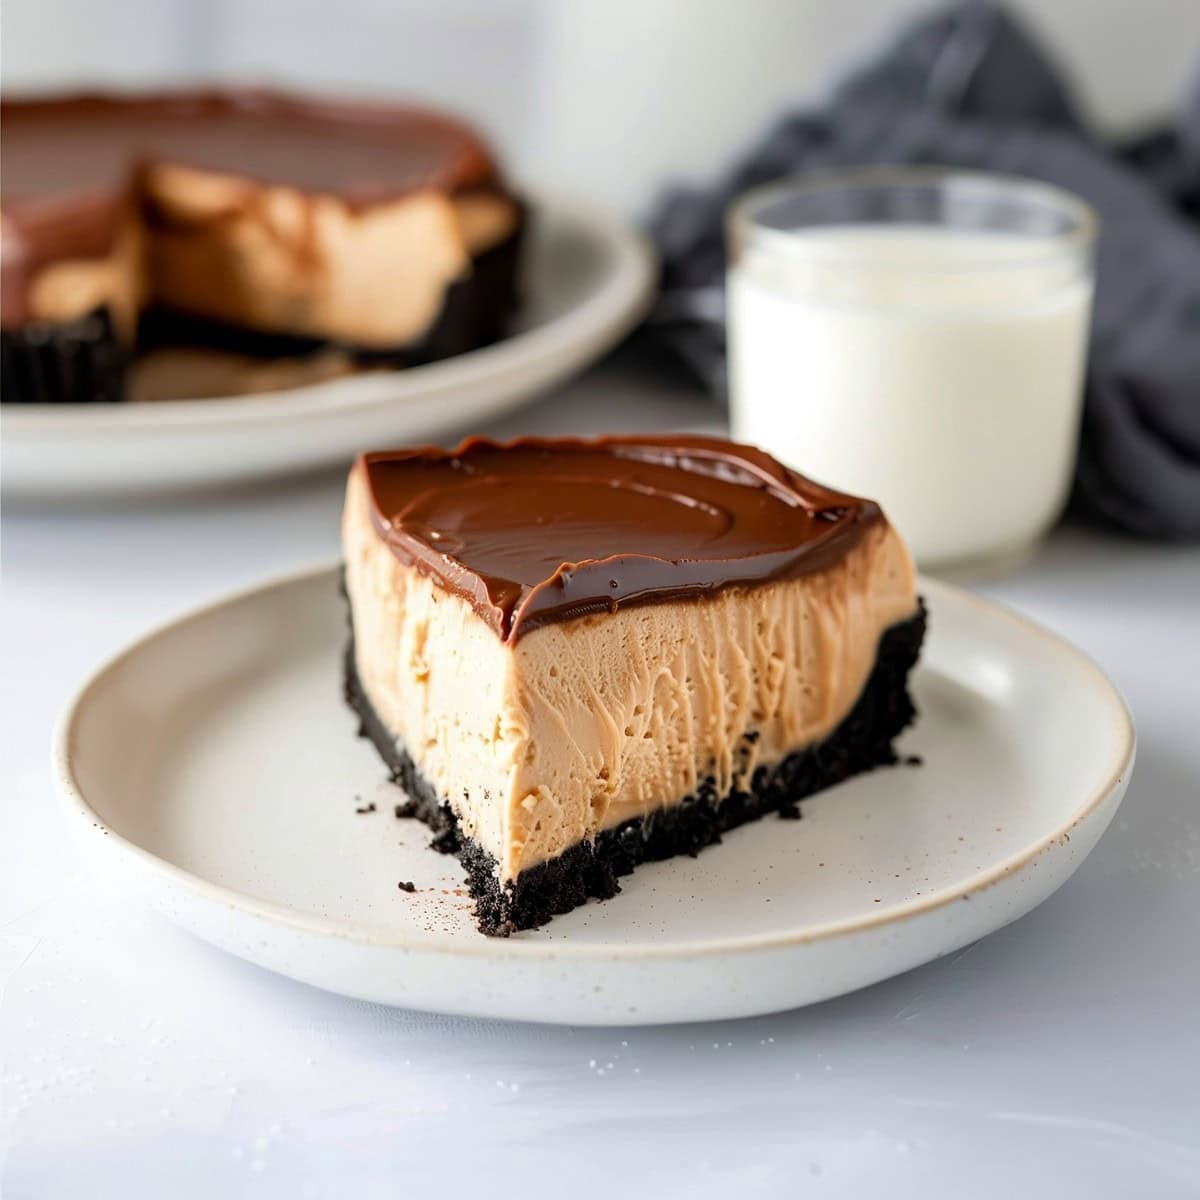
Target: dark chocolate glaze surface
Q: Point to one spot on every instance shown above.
(359, 152)
(535, 531)
(68, 165)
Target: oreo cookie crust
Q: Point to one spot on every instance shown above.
(72, 362)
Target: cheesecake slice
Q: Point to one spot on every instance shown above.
(576, 656)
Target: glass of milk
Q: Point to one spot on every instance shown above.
(917, 335)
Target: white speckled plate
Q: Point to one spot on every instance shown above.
(213, 768)
(587, 281)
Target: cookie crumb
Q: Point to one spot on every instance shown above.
(406, 885)
(366, 808)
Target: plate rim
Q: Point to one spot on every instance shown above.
(622, 300)
(87, 820)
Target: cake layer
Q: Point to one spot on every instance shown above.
(65, 257)
(740, 620)
(279, 260)
(592, 869)
(113, 280)
(321, 219)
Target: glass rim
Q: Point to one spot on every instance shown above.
(741, 222)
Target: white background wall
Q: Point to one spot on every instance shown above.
(608, 97)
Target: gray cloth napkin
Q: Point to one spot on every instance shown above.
(968, 87)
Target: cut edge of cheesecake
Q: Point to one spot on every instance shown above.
(555, 762)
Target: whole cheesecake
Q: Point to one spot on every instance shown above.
(247, 219)
(577, 656)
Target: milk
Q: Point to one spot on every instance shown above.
(935, 370)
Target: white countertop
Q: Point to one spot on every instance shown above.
(1061, 1056)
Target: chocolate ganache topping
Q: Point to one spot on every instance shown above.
(534, 531)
